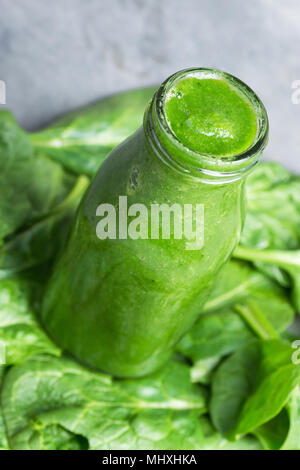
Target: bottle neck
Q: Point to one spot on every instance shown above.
(193, 164)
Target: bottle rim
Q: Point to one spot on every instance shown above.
(197, 164)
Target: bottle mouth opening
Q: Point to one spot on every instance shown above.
(196, 162)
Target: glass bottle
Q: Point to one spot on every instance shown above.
(121, 303)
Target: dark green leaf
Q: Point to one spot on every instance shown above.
(273, 433)
(273, 220)
(215, 441)
(242, 298)
(30, 183)
(238, 284)
(19, 329)
(44, 239)
(273, 208)
(214, 335)
(49, 437)
(3, 440)
(252, 386)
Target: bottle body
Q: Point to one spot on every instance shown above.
(120, 299)
(120, 305)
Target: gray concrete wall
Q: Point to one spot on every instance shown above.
(57, 55)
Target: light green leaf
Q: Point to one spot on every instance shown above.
(82, 139)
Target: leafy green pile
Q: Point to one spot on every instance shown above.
(231, 383)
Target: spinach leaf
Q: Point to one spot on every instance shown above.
(244, 303)
(49, 437)
(283, 432)
(44, 238)
(30, 183)
(3, 440)
(214, 335)
(289, 261)
(273, 433)
(160, 411)
(272, 222)
(273, 208)
(81, 140)
(51, 402)
(252, 386)
(292, 441)
(215, 441)
(19, 329)
(241, 286)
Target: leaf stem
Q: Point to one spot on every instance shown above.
(282, 258)
(74, 196)
(257, 322)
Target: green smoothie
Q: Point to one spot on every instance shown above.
(210, 116)
(128, 284)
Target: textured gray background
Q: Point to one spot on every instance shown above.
(59, 54)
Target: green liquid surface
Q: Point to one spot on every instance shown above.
(210, 116)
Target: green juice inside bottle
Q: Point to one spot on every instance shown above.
(120, 297)
(210, 116)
